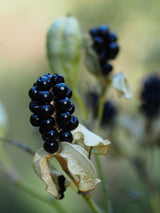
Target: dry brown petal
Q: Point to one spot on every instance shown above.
(41, 167)
(120, 83)
(74, 162)
(90, 139)
(79, 168)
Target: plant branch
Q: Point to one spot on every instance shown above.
(92, 204)
(17, 144)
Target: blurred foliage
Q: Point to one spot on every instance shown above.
(23, 27)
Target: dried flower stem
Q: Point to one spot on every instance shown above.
(92, 204)
(19, 145)
(107, 203)
(103, 184)
(147, 180)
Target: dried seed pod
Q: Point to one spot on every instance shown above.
(64, 45)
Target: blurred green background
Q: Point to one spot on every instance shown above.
(23, 27)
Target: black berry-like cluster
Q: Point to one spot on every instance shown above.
(52, 110)
(150, 96)
(105, 45)
(109, 110)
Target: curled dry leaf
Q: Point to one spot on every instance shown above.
(74, 162)
(41, 167)
(90, 139)
(120, 83)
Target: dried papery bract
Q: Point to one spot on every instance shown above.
(74, 162)
(90, 139)
(64, 45)
(120, 83)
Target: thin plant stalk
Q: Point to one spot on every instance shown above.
(103, 185)
(92, 204)
(107, 202)
(19, 183)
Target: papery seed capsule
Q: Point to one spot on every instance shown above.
(35, 120)
(33, 93)
(64, 45)
(50, 135)
(60, 90)
(44, 83)
(46, 111)
(56, 79)
(51, 147)
(47, 125)
(44, 97)
(34, 107)
(63, 105)
(65, 136)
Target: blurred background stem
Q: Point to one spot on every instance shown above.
(81, 104)
(107, 202)
(92, 204)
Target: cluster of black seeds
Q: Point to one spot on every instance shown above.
(104, 43)
(52, 110)
(150, 96)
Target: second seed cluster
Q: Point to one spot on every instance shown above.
(52, 110)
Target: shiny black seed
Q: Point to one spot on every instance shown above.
(106, 68)
(73, 123)
(56, 79)
(60, 90)
(66, 136)
(102, 57)
(48, 75)
(44, 83)
(113, 50)
(98, 41)
(93, 32)
(44, 97)
(112, 36)
(33, 93)
(47, 125)
(51, 147)
(35, 120)
(103, 30)
(109, 112)
(34, 107)
(71, 109)
(50, 135)
(61, 183)
(63, 105)
(63, 119)
(46, 111)
(69, 93)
